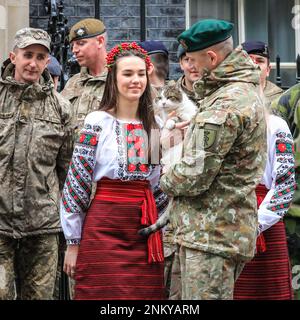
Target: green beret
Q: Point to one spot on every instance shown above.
(204, 34)
(86, 28)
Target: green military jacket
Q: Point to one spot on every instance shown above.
(35, 150)
(85, 93)
(287, 106)
(215, 208)
(271, 92)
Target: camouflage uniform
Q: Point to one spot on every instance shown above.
(35, 150)
(287, 106)
(214, 211)
(271, 92)
(168, 234)
(85, 93)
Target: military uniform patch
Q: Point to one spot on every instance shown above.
(210, 136)
(211, 130)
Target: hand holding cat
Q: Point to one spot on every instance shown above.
(169, 138)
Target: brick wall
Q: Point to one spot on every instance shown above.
(165, 19)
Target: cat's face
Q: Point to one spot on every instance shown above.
(169, 99)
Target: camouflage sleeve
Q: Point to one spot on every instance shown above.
(207, 141)
(280, 107)
(65, 152)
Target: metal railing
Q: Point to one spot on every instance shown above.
(278, 66)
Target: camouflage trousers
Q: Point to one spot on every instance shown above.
(198, 275)
(28, 267)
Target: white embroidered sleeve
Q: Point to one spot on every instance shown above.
(78, 185)
(277, 201)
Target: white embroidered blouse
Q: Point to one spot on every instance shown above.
(107, 147)
(279, 174)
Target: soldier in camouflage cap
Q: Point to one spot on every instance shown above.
(35, 150)
(214, 212)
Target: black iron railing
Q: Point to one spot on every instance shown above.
(278, 78)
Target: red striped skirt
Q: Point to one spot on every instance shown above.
(268, 275)
(112, 262)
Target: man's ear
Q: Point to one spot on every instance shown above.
(151, 68)
(100, 40)
(12, 57)
(48, 61)
(213, 58)
(268, 70)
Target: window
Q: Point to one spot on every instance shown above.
(271, 21)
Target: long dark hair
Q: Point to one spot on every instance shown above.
(145, 108)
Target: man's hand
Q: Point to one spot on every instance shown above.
(170, 138)
(70, 260)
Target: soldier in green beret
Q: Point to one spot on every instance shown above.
(214, 212)
(35, 151)
(88, 40)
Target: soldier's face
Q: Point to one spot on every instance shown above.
(30, 63)
(131, 78)
(200, 61)
(264, 65)
(86, 51)
(190, 72)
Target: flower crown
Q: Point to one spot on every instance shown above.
(126, 46)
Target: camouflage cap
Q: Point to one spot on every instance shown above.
(86, 28)
(204, 34)
(28, 36)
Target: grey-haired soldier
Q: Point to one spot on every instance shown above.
(35, 150)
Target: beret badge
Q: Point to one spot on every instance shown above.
(182, 42)
(80, 32)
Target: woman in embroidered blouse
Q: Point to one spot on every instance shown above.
(268, 276)
(112, 260)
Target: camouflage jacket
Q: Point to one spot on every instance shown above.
(287, 106)
(190, 94)
(85, 93)
(35, 150)
(215, 207)
(271, 92)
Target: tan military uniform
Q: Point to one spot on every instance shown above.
(271, 92)
(214, 211)
(85, 93)
(35, 150)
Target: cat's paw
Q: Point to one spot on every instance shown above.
(170, 124)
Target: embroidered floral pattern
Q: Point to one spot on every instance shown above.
(132, 154)
(78, 186)
(285, 177)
